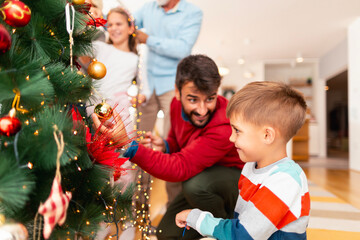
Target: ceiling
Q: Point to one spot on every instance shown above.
(268, 29)
(273, 29)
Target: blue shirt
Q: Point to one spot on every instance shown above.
(172, 35)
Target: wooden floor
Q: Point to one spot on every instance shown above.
(330, 173)
(333, 175)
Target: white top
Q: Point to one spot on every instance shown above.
(121, 69)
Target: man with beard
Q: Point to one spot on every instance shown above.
(197, 151)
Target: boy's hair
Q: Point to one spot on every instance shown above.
(273, 103)
(201, 70)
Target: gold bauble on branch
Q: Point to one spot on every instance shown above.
(78, 2)
(96, 69)
(103, 110)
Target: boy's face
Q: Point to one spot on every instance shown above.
(198, 106)
(248, 139)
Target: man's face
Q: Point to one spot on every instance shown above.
(198, 106)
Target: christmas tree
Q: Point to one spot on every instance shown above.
(48, 142)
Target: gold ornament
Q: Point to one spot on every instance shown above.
(2, 219)
(96, 70)
(103, 110)
(78, 2)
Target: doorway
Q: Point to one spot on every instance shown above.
(337, 116)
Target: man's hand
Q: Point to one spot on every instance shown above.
(154, 142)
(181, 217)
(116, 129)
(141, 36)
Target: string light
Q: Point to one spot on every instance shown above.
(30, 165)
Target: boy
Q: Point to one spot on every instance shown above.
(273, 200)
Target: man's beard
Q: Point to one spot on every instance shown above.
(162, 2)
(203, 124)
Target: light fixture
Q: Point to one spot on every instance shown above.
(241, 61)
(248, 74)
(223, 71)
(299, 58)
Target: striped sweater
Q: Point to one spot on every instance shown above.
(273, 203)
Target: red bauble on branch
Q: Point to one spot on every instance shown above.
(15, 13)
(10, 125)
(5, 39)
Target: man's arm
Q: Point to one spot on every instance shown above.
(202, 153)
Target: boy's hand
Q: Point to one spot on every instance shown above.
(154, 142)
(181, 217)
(116, 130)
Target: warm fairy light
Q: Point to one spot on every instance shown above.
(87, 223)
(78, 211)
(27, 122)
(79, 168)
(99, 192)
(36, 133)
(30, 165)
(62, 73)
(75, 158)
(42, 103)
(24, 187)
(52, 33)
(43, 68)
(34, 119)
(75, 132)
(13, 30)
(27, 78)
(42, 94)
(48, 77)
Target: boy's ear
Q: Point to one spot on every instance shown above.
(177, 93)
(269, 135)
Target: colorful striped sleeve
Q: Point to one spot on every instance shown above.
(278, 204)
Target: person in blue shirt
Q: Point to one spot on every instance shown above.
(172, 28)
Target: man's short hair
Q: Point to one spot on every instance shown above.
(201, 70)
(273, 103)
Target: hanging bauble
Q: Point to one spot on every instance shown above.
(96, 69)
(5, 39)
(133, 90)
(78, 2)
(15, 13)
(103, 110)
(10, 125)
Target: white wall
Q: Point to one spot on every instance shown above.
(354, 94)
(236, 76)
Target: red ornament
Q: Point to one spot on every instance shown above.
(98, 22)
(5, 39)
(15, 13)
(55, 207)
(10, 125)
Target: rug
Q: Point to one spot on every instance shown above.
(331, 218)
